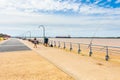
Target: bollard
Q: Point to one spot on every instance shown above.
(64, 45)
(70, 46)
(90, 53)
(107, 56)
(59, 44)
(79, 49)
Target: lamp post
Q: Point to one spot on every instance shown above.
(29, 33)
(43, 30)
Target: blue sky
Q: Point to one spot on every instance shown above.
(77, 18)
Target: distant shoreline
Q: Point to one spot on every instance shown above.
(79, 37)
(90, 37)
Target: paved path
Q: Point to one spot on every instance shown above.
(80, 67)
(18, 62)
(13, 45)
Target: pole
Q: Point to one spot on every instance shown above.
(29, 33)
(107, 56)
(43, 30)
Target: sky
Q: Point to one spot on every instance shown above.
(77, 18)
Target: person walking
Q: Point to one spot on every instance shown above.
(46, 41)
(35, 42)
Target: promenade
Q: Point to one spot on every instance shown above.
(19, 62)
(65, 63)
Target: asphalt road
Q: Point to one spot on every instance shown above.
(13, 45)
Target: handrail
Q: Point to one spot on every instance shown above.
(70, 45)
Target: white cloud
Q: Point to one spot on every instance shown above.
(37, 6)
(92, 9)
(45, 5)
(97, 1)
(20, 12)
(117, 1)
(87, 0)
(109, 0)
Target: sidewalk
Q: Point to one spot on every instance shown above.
(27, 65)
(80, 67)
(2, 41)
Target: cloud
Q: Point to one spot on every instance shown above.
(96, 1)
(38, 5)
(35, 12)
(109, 0)
(117, 1)
(46, 6)
(93, 9)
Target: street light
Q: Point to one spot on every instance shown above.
(29, 33)
(45, 39)
(43, 30)
(26, 33)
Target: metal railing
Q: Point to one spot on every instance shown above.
(109, 52)
(98, 51)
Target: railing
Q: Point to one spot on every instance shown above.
(97, 51)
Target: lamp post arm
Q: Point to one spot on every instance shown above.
(43, 30)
